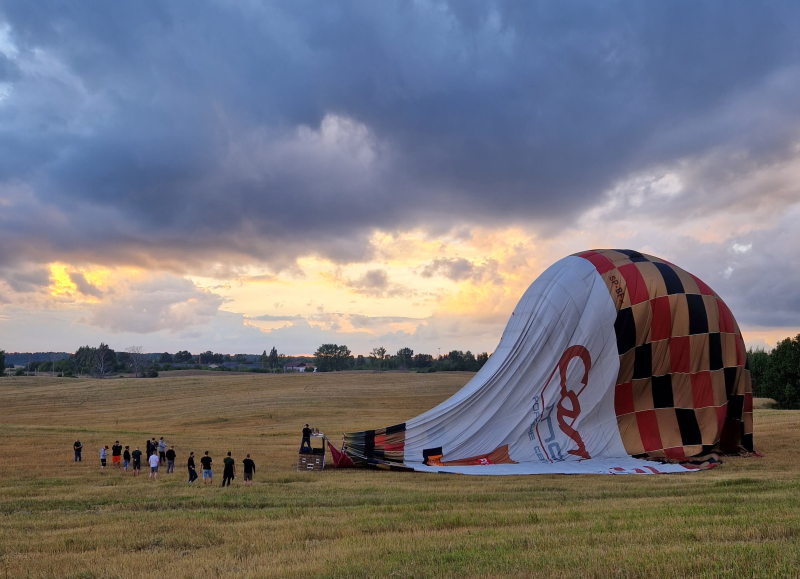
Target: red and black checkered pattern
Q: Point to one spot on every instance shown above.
(683, 389)
(382, 447)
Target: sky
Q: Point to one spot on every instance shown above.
(237, 176)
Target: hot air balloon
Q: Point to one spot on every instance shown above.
(613, 361)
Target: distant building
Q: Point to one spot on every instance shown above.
(301, 367)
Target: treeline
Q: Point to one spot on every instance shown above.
(333, 357)
(776, 374)
(102, 361)
(97, 361)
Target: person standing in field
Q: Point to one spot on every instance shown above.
(249, 470)
(305, 442)
(170, 460)
(162, 449)
(78, 448)
(136, 455)
(126, 458)
(148, 448)
(116, 454)
(103, 456)
(229, 470)
(153, 460)
(206, 461)
(190, 466)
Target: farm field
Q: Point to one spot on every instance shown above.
(64, 519)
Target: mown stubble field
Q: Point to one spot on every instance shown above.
(64, 519)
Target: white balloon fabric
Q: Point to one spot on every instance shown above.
(559, 394)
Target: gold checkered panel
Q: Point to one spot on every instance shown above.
(683, 389)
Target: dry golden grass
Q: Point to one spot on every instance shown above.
(65, 519)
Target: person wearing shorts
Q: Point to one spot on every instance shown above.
(136, 455)
(249, 469)
(116, 454)
(206, 461)
(103, 456)
(153, 460)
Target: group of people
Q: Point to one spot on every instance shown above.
(228, 469)
(157, 453)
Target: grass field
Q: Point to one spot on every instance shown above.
(64, 519)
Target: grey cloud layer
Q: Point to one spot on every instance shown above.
(181, 133)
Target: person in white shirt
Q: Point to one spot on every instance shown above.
(153, 464)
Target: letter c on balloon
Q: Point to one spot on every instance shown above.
(572, 409)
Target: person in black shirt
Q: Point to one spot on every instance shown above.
(170, 454)
(249, 470)
(206, 461)
(229, 471)
(136, 455)
(190, 466)
(77, 447)
(305, 443)
(116, 453)
(126, 458)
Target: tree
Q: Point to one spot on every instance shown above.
(454, 360)
(64, 367)
(2, 362)
(324, 357)
(274, 359)
(405, 357)
(758, 363)
(183, 357)
(137, 361)
(330, 357)
(423, 361)
(104, 360)
(469, 363)
(344, 358)
(783, 373)
(165, 358)
(95, 361)
(378, 354)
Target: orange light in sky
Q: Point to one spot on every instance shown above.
(60, 282)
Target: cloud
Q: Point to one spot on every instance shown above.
(84, 286)
(206, 141)
(26, 279)
(376, 283)
(353, 118)
(158, 303)
(460, 269)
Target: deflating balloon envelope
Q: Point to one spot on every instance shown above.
(613, 361)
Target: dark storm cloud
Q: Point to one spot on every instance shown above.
(187, 132)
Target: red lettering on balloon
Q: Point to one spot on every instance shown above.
(573, 409)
